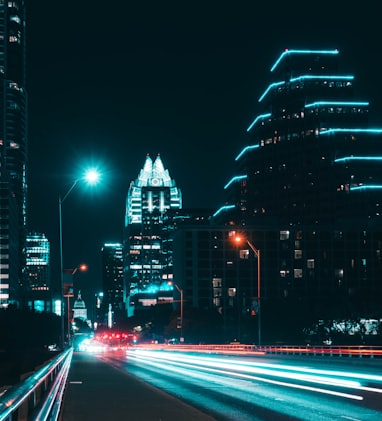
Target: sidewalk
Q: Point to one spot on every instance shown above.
(97, 391)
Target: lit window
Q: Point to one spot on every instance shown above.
(298, 254)
(244, 254)
(15, 18)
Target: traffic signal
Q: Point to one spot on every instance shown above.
(178, 322)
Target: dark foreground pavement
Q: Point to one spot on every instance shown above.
(98, 391)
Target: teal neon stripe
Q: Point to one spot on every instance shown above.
(288, 52)
(334, 77)
(367, 187)
(295, 79)
(359, 158)
(245, 150)
(271, 86)
(329, 131)
(223, 208)
(337, 103)
(234, 179)
(259, 117)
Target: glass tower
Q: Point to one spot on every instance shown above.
(311, 174)
(312, 159)
(112, 281)
(37, 272)
(13, 150)
(37, 262)
(148, 199)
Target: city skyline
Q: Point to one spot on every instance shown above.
(184, 84)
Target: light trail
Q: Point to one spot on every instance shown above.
(278, 371)
(185, 364)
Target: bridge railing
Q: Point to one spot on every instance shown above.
(328, 350)
(39, 396)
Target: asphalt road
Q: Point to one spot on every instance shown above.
(99, 391)
(261, 388)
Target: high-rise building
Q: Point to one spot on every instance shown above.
(312, 159)
(148, 199)
(13, 150)
(311, 174)
(112, 283)
(37, 272)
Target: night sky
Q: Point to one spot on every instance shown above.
(109, 82)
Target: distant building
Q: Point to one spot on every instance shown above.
(37, 272)
(13, 151)
(148, 199)
(112, 283)
(79, 308)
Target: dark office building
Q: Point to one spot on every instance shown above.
(217, 280)
(13, 150)
(310, 178)
(112, 301)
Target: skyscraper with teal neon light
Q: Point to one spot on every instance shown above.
(13, 151)
(311, 173)
(148, 199)
(310, 149)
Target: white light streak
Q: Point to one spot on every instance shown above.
(173, 362)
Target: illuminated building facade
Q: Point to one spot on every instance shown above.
(13, 150)
(79, 308)
(112, 281)
(311, 175)
(148, 199)
(37, 272)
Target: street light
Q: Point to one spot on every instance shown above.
(91, 177)
(256, 251)
(180, 290)
(69, 292)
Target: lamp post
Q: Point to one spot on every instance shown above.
(91, 177)
(256, 251)
(69, 293)
(180, 290)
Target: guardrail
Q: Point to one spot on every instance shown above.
(331, 351)
(237, 348)
(39, 396)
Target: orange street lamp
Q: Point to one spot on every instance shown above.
(68, 292)
(239, 239)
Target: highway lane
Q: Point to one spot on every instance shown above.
(261, 388)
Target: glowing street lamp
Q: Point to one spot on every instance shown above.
(69, 292)
(239, 239)
(90, 177)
